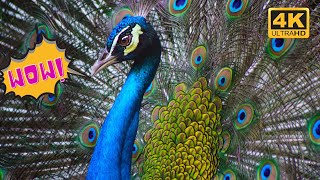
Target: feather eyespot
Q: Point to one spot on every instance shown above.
(45, 30)
(198, 57)
(267, 170)
(180, 4)
(125, 40)
(39, 36)
(226, 141)
(244, 116)
(136, 151)
(32, 40)
(236, 8)
(51, 97)
(277, 47)
(229, 175)
(223, 79)
(277, 44)
(89, 135)
(179, 7)
(50, 100)
(198, 60)
(314, 130)
(35, 37)
(121, 14)
(150, 89)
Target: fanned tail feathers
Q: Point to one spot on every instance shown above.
(270, 100)
(249, 104)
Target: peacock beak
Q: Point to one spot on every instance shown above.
(105, 60)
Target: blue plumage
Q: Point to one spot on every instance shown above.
(112, 156)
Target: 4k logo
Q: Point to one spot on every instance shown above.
(288, 23)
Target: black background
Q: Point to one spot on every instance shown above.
(303, 19)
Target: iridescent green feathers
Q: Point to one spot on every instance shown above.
(183, 142)
(198, 57)
(268, 169)
(179, 7)
(263, 88)
(278, 47)
(314, 130)
(120, 14)
(88, 135)
(235, 8)
(35, 37)
(266, 87)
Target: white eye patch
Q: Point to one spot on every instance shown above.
(136, 31)
(115, 41)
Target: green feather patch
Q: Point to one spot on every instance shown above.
(120, 14)
(35, 37)
(2, 174)
(50, 100)
(223, 79)
(88, 135)
(278, 47)
(268, 170)
(314, 130)
(178, 7)
(198, 57)
(229, 174)
(150, 90)
(244, 116)
(45, 30)
(185, 141)
(217, 101)
(136, 150)
(235, 8)
(226, 140)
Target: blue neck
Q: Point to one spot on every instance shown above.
(112, 155)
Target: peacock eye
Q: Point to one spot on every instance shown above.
(268, 169)
(126, 40)
(225, 141)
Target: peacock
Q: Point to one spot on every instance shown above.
(169, 89)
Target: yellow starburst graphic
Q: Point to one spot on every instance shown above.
(38, 72)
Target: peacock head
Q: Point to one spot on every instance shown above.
(133, 37)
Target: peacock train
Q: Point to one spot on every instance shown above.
(165, 89)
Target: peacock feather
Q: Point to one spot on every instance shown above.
(185, 139)
(223, 101)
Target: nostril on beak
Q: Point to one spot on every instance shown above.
(104, 55)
